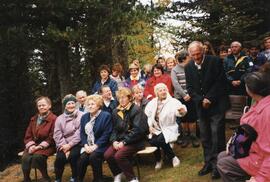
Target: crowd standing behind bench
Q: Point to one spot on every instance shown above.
(112, 123)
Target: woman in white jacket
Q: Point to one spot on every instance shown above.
(162, 112)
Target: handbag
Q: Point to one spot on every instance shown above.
(240, 142)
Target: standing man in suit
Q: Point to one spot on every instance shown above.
(206, 84)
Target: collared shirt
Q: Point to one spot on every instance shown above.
(107, 103)
(135, 78)
(199, 66)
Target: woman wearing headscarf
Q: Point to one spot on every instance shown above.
(67, 138)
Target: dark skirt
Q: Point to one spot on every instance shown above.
(34, 161)
(191, 115)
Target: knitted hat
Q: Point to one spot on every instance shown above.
(68, 98)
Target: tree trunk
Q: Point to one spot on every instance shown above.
(63, 67)
(120, 52)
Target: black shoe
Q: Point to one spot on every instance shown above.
(185, 141)
(215, 174)
(27, 180)
(194, 141)
(179, 140)
(207, 168)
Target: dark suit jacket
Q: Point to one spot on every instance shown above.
(210, 83)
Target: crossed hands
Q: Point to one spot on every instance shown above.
(90, 148)
(236, 83)
(118, 145)
(66, 149)
(34, 148)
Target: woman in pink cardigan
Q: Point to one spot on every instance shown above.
(257, 163)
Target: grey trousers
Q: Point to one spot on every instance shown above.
(212, 135)
(229, 169)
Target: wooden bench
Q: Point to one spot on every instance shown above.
(145, 151)
(238, 107)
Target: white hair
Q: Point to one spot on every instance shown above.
(195, 44)
(81, 93)
(160, 86)
(237, 43)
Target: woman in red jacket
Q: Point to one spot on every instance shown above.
(158, 76)
(39, 143)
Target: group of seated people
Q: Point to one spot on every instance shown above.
(113, 123)
(94, 135)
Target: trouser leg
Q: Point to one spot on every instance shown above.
(159, 141)
(73, 159)
(59, 164)
(95, 160)
(122, 158)
(109, 157)
(229, 169)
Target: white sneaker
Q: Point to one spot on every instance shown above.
(158, 165)
(118, 177)
(134, 180)
(175, 162)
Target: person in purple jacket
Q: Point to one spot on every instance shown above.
(96, 128)
(67, 138)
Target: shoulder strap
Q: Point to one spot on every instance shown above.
(241, 59)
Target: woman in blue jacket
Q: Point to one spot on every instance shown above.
(96, 128)
(104, 79)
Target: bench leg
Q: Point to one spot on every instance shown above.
(36, 174)
(138, 167)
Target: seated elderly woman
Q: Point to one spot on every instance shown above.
(67, 138)
(257, 161)
(38, 140)
(129, 128)
(162, 112)
(96, 128)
